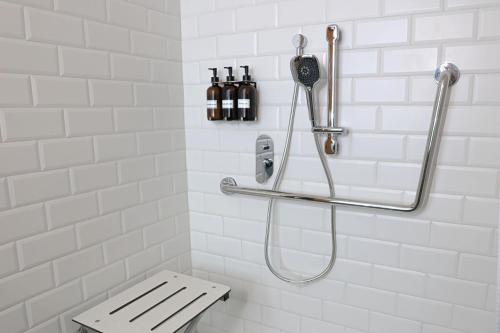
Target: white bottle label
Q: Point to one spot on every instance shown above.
(211, 104)
(243, 103)
(227, 104)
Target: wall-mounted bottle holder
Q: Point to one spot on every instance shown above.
(232, 99)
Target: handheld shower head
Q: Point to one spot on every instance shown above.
(305, 71)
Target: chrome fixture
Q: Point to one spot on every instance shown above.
(446, 76)
(333, 38)
(264, 158)
(305, 72)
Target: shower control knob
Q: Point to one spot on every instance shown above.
(268, 163)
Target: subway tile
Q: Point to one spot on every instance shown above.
(473, 320)
(107, 37)
(104, 279)
(111, 93)
(246, 17)
(484, 89)
(468, 3)
(338, 10)
(21, 223)
(44, 247)
(53, 28)
(8, 260)
(67, 152)
(32, 188)
(54, 302)
(489, 25)
(136, 169)
(426, 259)
(21, 286)
(457, 180)
(399, 280)
(380, 323)
(373, 251)
(425, 310)
(14, 319)
(88, 121)
(139, 216)
(83, 63)
(477, 268)
(19, 157)
(12, 19)
(380, 90)
(95, 9)
(148, 45)
(164, 24)
(112, 147)
(123, 246)
(92, 177)
(144, 261)
(474, 57)
(27, 124)
(50, 91)
(460, 237)
(236, 45)
(73, 266)
(392, 7)
(98, 230)
(481, 211)
(16, 90)
(128, 15)
(216, 23)
(69, 210)
(298, 12)
(456, 291)
(410, 60)
(26, 57)
(381, 32)
(346, 315)
(444, 27)
(119, 197)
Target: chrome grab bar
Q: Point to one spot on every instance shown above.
(446, 76)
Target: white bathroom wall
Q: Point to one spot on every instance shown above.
(92, 167)
(431, 272)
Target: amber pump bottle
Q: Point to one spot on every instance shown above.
(214, 98)
(247, 98)
(229, 97)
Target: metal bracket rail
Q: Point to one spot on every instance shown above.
(446, 76)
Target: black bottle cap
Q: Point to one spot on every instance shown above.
(246, 77)
(214, 77)
(230, 76)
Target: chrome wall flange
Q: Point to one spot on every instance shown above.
(450, 68)
(227, 181)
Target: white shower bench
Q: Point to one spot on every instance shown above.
(164, 303)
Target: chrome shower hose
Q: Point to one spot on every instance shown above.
(276, 185)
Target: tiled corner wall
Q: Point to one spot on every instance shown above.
(92, 172)
(431, 272)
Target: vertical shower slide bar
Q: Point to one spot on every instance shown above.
(332, 37)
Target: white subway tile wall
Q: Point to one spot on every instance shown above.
(430, 272)
(93, 194)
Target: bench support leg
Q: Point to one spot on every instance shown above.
(191, 328)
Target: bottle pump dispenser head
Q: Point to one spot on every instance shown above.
(214, 75)
(246, 77)
(230, 76)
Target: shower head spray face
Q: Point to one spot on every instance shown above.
(305, 70)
